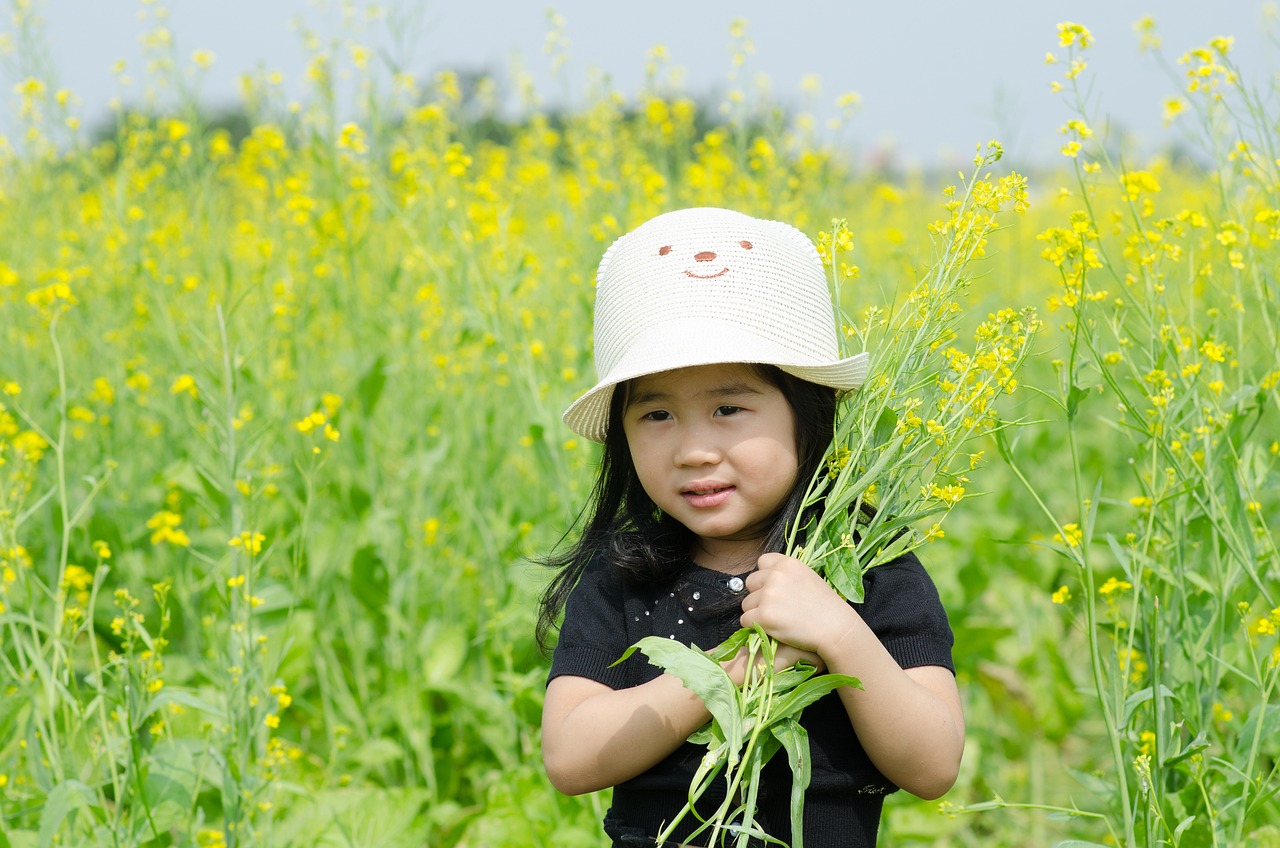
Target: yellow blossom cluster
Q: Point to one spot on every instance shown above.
(166, 528)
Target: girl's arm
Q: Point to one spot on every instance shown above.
(909, 721)
(594, 737)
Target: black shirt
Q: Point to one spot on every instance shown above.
(604, 616)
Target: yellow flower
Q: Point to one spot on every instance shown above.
(272, 721)
(76, 577)
(1114, 585)
(30, 445)
(311, 422)
(1070, 536)
(249, 541)
(1070, 34)
(1062, 595)
(351, 138)
(947, 494)
(1215, 351)
(166, 529)
(282, 696)
(184, 383)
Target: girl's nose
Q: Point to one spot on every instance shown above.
(704, 256)
(696, 448)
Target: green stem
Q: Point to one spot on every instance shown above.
(59, 656)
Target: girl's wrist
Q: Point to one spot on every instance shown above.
(840, 628)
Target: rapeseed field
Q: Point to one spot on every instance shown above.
(280, 446)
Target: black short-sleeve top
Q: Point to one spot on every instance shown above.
(605, 615)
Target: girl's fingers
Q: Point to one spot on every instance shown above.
(791, 602)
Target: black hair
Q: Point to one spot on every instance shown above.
(645, 545)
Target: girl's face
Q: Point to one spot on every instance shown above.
(714, 447)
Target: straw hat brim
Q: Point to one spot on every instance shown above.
(703, 341)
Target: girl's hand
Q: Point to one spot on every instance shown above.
(795, 606)
(785, 657)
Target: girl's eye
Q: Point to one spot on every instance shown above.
(727, 410)
(656, 415)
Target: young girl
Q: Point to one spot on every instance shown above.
(715, 345)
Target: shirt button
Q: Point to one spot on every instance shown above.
(736, 584)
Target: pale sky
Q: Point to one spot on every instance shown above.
(935, 78)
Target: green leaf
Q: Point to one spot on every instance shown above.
(173, 779)
(701, 675)
(885, 424)
(1004, 446)
(370, 583)
(791, 677)
(185, 698)
(1193, 747)
(444, 651)
(1074, 397)
(844, 573)
(726, 649)
(795, 739)
(839, 501)
(65, 799)
(378, 752)
(1097, 785)
(371, 384)
(1269, 716)
(1140, 697)
(790, 704)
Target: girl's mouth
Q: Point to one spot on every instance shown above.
(705, 497)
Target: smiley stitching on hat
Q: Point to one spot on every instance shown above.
(705, 256)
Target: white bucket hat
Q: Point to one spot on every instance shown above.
(708, 286)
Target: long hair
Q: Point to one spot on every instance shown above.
(648, 547)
